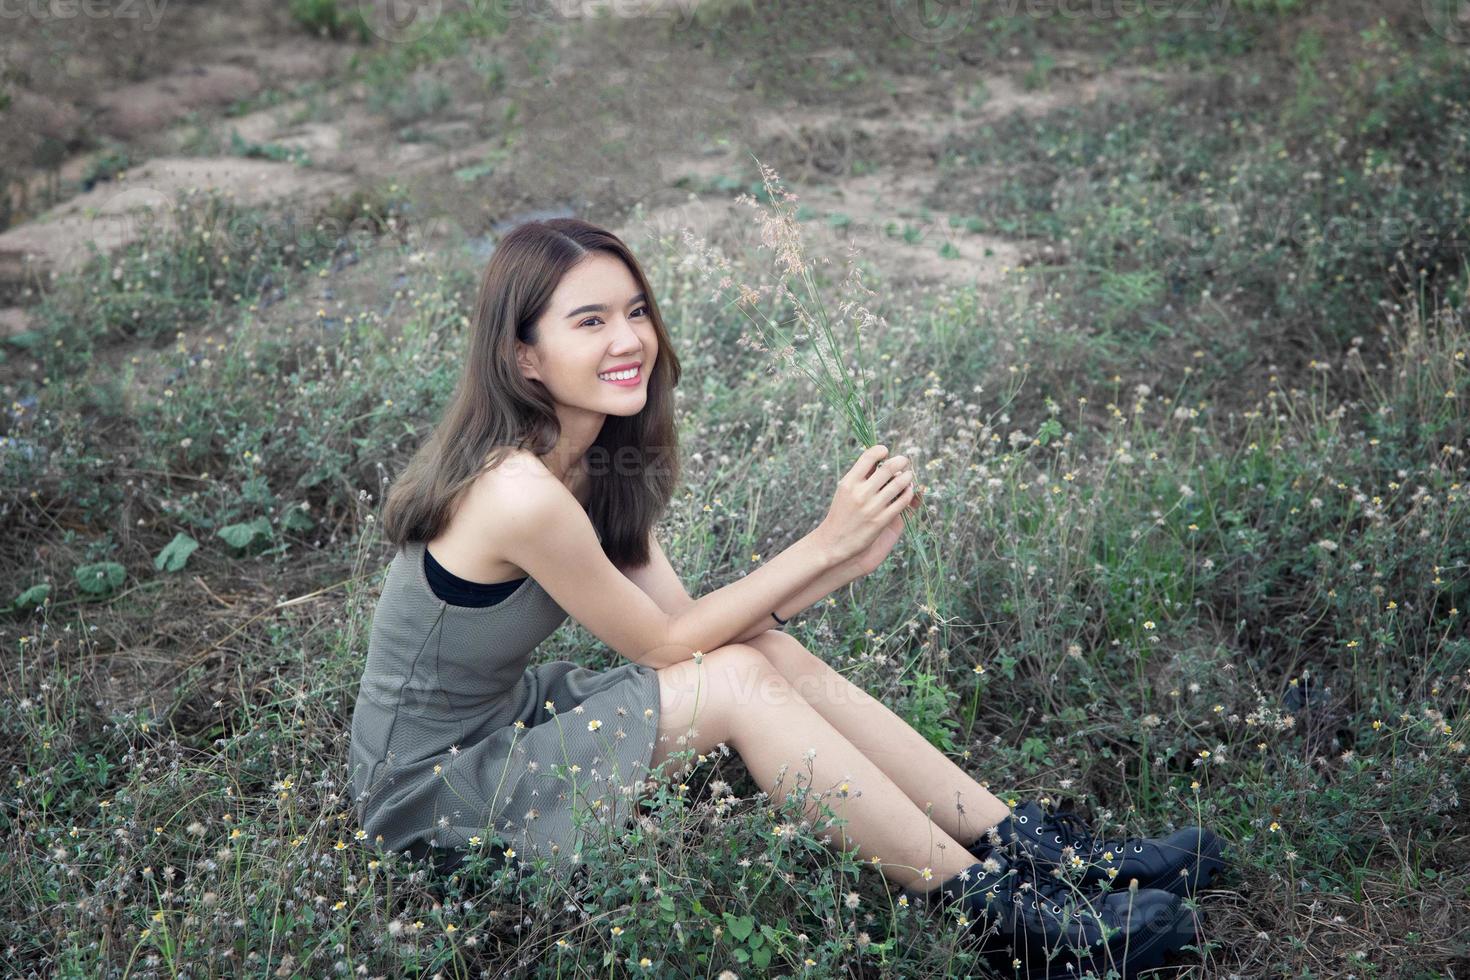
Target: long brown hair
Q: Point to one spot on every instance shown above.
(633, 463)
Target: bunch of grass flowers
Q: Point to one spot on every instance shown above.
(813, 340)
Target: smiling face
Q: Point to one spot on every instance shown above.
(598, 321)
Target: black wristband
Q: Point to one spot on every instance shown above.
(778, 619)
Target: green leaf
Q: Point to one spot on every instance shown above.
(240, 535)
(297, 519)
(761, 957)
(33, 596)
(101, 577)
(740, 928)
(175, 553)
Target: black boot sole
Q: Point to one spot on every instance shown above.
(1129, 962)
(1137, 956)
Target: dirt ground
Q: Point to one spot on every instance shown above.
(629, 121)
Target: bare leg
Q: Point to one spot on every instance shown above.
(743, 701)
(961, 806)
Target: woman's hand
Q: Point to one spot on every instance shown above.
(867, 563)
(864, 521)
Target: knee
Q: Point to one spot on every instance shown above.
(788, 655)
(743, 679)
(742, 667)
(737, 656)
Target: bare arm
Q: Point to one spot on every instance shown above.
(841, 566)
(659, 580)
(744, 606)
(544, 530)
(822, 586)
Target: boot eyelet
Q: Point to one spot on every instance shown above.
(1057, 909)
(1057, 838)
(1033, 905)
(1137, 849)
(1022, 819)
(1038, 831)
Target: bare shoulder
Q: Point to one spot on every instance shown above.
(533, 520)
(521, 492)
(474, 545)
(517, 469)
(519, 485)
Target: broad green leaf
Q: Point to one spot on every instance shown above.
(33, 596)
(740, 928)
(240, 535)
(101, 577)
(175, 553)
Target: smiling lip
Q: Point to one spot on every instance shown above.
(632, 382)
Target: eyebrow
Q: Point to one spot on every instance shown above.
(602, 307)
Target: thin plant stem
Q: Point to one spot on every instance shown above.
(820, 358)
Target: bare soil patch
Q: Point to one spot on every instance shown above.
(113, 214)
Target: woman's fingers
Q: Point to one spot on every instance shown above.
(886, 469)
(896, 486)
(896, 506)
(867, 463)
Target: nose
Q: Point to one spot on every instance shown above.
(628, 341)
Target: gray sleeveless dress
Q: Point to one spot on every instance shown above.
(436, 752)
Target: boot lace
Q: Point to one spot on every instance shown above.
(1045, 886)
(1074, 831)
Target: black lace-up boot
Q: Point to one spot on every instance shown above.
(1038, 927)
(1182, 862)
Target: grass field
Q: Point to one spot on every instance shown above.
(1173, 322)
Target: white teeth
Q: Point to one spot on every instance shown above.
(620, 375)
